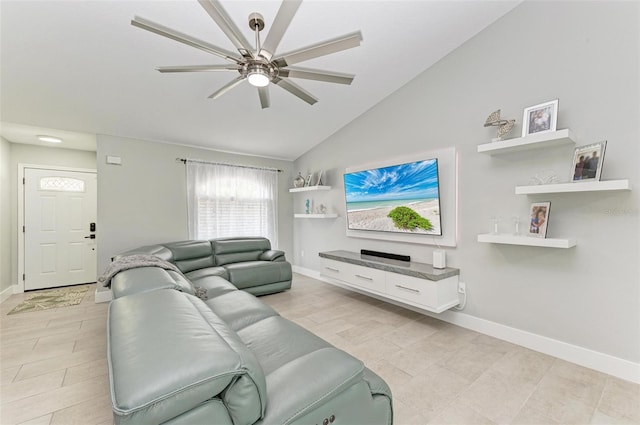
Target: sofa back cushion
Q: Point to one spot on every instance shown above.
(191, 255)
(145, 279)
(236, 250)
(169, 353)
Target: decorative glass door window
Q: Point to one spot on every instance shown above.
(61, 184)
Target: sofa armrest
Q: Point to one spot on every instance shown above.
(272, 255)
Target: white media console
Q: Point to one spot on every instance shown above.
(415, 284)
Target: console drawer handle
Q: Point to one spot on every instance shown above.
(332, 269)
(408, 289)
(363, 277)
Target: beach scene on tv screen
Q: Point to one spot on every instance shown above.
(399, 198)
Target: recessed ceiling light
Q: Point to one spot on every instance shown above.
(50, 139)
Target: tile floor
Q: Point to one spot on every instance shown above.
(53, 365)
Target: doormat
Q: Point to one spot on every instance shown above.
(51, 298)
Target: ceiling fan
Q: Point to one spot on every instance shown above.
(259, 66)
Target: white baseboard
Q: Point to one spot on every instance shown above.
(615, 366)
(4, 295)
(103, 296)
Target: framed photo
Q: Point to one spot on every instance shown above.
(307, 182)
(587, 162)
(540, 118)
(539, 219)
(319, 181)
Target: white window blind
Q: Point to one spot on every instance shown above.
(228, 201)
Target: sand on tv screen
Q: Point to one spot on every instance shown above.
(401, 198)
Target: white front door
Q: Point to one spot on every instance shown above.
(59, 207)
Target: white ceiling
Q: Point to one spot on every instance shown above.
(80, 66)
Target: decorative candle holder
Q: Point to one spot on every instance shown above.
(495, 225)
(516, 225)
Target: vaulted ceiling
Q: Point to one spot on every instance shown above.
(80, 66)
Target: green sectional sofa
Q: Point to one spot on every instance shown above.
(249, 263)
(225, 357)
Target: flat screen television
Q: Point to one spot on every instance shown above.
(402, 198)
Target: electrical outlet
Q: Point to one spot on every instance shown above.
(462, 288)
(302, 253)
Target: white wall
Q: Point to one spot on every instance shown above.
(5, 216)
(587, 55)
(38, 155)
(143, 201)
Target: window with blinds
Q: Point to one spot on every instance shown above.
(228, 201)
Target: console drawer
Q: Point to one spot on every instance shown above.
(419, 291)
(367, 278)
(362, 277)
(334, 269)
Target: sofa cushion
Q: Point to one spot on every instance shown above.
(240, 309)
(214, 286)
(234, 250)
(191, 255)
(276, 341)
(144, 279)
(169, 353)
(256, 273)
(212, 411)
(195, 275)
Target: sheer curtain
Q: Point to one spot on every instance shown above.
(226, 201)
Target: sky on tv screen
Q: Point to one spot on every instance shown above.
(411, 181)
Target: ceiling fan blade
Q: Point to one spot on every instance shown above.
(220, 16)
(321, 49)
(283, 18)
(231, 84)
(263, 92)
(183, 38)
(295, 90)
(318, 75)
(198, 68)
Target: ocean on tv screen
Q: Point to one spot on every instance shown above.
(403, 198)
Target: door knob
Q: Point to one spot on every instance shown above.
(90, 237)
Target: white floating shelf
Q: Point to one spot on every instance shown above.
(309, 188)
(574, 187)
(315, 215)
(533, 141)
(527, 241)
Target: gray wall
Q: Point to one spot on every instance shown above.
(143, 201)
(5, 215)
(38, 155)
(585, 54)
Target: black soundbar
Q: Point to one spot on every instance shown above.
(385, 255)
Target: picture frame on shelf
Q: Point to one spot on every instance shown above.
(539, 219)
(540, 118)
(307, 182)
(587, 162)
(319, 181)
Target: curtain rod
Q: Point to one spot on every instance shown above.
(199, 161)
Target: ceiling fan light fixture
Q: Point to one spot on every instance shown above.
(257, 77)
